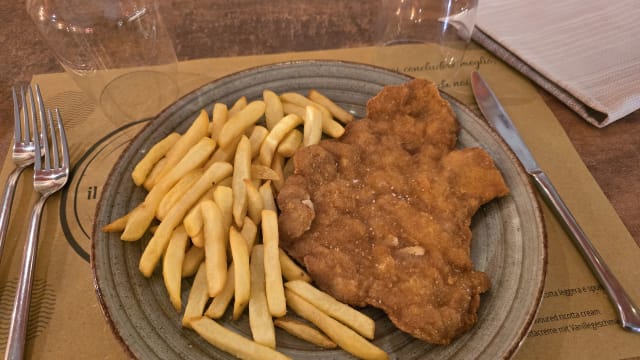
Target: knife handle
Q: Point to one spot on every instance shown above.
(628, 312)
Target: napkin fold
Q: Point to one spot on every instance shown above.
(585, 52)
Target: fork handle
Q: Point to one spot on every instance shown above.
(7, 201)
(21, 304)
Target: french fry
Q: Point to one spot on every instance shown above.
(241, 171)
(299, 102)
(272, 270)
(232, 342)
(332, 127)
(226, 182)
(242, 278)
(338, 112)
(220, 303)
(153, 175)
(117, 224)
(290, 270)
(303, 101)
(254, 202)
(198, 129)
(263, 172)
(346, 338)
(224, 153)
(156, 246)
(190, 161)
(237, 124)
(197, 299)
(172, 265)
(329, 125)
(279, 131)
(257, 136)
(290, 143)
(142, 216)
(223, 197)
(268, 201)
(198, 239)
(291, 108)
(215, 248)
(347, 315)
(260, 320)
(249, 232)
(193, 220)
(304, 332)
(192, 259)
(177, 191)
(249, 130)
(312, 126)
(277, 165)
(240, 104)
(273, 110)
(219, 115)
(157, 152)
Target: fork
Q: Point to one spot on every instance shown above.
(23, 150)
(47, 179)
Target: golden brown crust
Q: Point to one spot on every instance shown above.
(381, 216)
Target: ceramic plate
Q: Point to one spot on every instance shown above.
(508, 234)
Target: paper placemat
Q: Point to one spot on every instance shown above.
(583, 52)
(576, 320)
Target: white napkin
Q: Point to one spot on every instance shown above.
(585, 52)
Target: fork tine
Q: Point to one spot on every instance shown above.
(28, 109)
(29, 130)
(37, 164)
(25, 109)
(17, 134)
(63, 140)
(44, 139)
(54, 142)
(31, 113)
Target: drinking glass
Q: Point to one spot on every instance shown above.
(117, 51)
(436, 32)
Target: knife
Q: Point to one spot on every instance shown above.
(493, 111)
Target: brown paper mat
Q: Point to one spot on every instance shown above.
(576, 320)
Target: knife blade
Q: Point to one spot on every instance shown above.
(493, 111)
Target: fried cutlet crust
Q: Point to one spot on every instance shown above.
(382, 216)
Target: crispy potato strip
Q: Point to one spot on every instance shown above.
(347, 315)
(304, 332)
(151, 158)
(212, 215)
(260, 319)
(346, 338)
(233, 343)
(272, 269)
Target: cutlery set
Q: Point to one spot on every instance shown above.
(39, 139)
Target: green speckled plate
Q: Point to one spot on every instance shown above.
(508, 234)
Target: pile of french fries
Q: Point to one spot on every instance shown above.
(212, 213)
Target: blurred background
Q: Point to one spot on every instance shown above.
(198, 21)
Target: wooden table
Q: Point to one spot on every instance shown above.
(246, 27)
